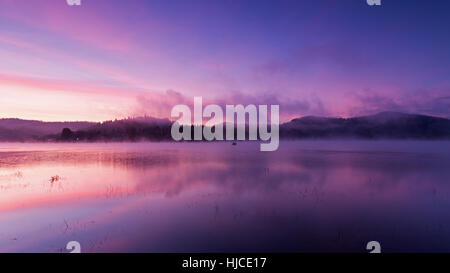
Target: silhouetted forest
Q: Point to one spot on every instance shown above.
(385, 125)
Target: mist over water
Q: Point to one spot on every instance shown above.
(196, 197)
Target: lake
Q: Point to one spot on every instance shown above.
(309, 196)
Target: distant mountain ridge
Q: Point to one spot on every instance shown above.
(384, 125)
(390, 125)
(13, 129)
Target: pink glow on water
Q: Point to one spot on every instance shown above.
(133, 197)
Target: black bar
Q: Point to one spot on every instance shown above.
(274, 262)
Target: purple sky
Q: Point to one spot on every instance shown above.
(116, 58)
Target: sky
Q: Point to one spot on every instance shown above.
(109, 59)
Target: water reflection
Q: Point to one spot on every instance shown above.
(196, 197)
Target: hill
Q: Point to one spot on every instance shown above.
(388, 125)
(385, 125)
(13, 129)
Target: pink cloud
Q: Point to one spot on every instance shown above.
(80, 24)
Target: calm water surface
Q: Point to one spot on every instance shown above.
(309, 196)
